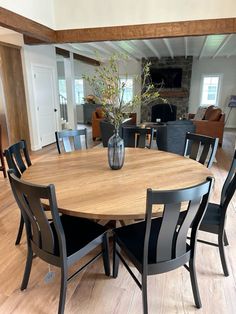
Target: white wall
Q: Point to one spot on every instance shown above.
(40, 56)
(94, 13)
(224, 66)
(61, 14)
(41, 11)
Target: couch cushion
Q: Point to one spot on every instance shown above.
(214, 115)
(208, 112)
(200, 114)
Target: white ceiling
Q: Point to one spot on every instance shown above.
(211, 46)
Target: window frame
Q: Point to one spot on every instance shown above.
(204, 75)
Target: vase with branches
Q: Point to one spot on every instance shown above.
(109, 91)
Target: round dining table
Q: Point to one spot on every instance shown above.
(87, 187)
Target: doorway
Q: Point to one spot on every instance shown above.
(45, 103)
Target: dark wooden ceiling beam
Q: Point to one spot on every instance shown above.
(62, 52)
(66, 54)
(36, 33)
(148, 31)
(86, 59)
(26, 26)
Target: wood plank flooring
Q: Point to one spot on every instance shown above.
(92, 292)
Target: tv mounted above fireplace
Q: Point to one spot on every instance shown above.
(170, 77)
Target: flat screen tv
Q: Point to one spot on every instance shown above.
(170, 77)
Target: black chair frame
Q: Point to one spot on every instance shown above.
(18, 159)
(193, 144)
(70, 138)
(49, 241)
(215, 216)
(160, 245)
(136, 136)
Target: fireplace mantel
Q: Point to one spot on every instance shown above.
(176, 93)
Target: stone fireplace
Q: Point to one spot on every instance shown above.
(174, 96)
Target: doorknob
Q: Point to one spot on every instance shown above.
(55, 110)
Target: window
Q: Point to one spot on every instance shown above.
(128, 90)
(79, 91)
(210, 90)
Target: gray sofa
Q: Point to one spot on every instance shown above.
(171, 136)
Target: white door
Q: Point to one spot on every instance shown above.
(44, 96)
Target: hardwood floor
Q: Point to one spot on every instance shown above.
(92, 292)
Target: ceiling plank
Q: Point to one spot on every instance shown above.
(99, 48)
(186, 47)
(25, 26)
(168, 46)
(152, 48)
(202, 49)
(116, 46)
(137, 49)
(222, 45)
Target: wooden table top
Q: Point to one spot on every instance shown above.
(87, 187)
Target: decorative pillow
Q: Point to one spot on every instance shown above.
(100, 113)
(208, 112)
(200, 114)
(215, 115)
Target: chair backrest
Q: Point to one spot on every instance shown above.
(69, 140)
(171, 239)
(136, 136)
(107, 130)
(171, 137)
(45, 241)
(200, 147)
(229, 186)
(17, 157)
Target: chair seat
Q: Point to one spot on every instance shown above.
(132, 237)
(212, 215)
(78, 233)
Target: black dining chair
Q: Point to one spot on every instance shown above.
(137, 137)
(69, 140)
(215, 217)
(18, 159)
(159, 245)
(201, 148)
(61, 242)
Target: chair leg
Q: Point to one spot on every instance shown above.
(226, 242)
(28, 266)
(116, 259)
(62, 300)
(144, 294)
(194, 284)
(105, 255)
(221, 239)
(20, 230)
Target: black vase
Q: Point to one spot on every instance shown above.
(116, 151)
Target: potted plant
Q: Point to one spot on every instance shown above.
(109, 91)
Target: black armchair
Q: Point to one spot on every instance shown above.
(171, 137)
